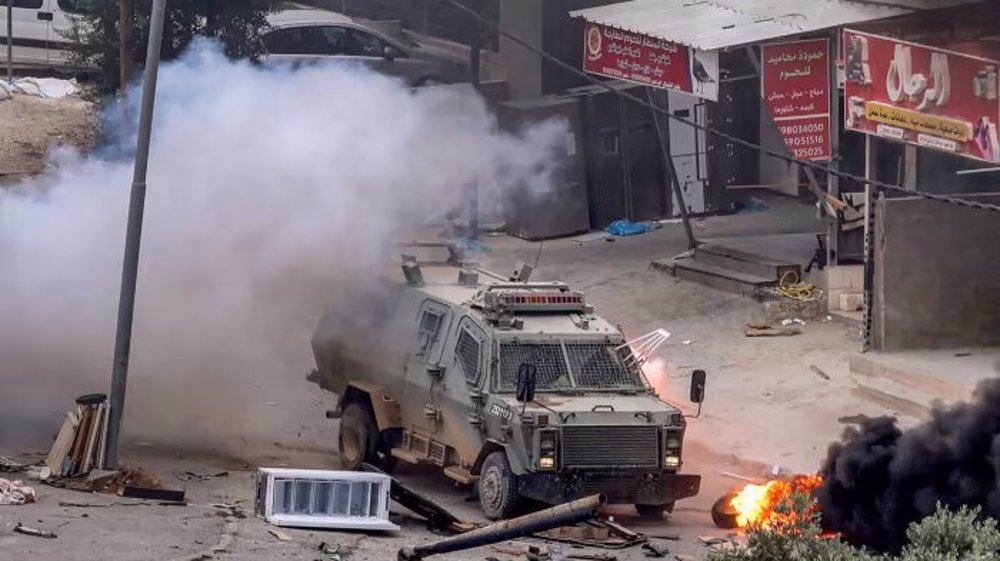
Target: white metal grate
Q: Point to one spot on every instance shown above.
(309, 498)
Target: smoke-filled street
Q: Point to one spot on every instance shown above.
(478, 280)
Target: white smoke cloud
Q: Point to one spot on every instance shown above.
(270, 193)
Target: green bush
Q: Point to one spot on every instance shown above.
(953, 536)
(795, 535)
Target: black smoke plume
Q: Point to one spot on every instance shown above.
(879, 479)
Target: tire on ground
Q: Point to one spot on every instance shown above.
(498, 495)
(723, 514)
(358, 437)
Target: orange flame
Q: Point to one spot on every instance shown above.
(755, 504)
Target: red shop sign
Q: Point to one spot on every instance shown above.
(650, 61)
(795, 87)
(921, 95)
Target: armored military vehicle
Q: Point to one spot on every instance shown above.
(511, 384)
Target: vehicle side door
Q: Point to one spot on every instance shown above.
(30, 31)
(385, 57)
(425, 373)
(303, 43)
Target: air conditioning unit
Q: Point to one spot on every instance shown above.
(312, 498)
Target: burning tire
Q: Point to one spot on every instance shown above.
(723, 514)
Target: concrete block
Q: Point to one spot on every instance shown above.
(776, 310)
(852, 301)
(853, 276)
(833, 298)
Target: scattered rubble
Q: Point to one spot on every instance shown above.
(762, 329)
(28, 531)
(15, 493)
(653, 549)
(819, 372)
(112, 484)
(438, 518)
(280, 535)
(596, 533)
(554, 517)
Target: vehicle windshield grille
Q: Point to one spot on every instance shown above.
(548, 359)
(568, 365)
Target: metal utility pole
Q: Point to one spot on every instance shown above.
(124, 43)
(10, 41)
(133, 233)
(474, 68)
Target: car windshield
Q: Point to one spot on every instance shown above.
(564, 365)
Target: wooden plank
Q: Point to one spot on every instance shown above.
(80, 443)
(102, 448)
(62, 443)
(92, 436)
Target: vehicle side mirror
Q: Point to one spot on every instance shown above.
(388, 53)
(698, 386)
(527, 376)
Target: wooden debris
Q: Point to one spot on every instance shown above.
(281, 535)
(437, 516)
(653, 549)
(28, 531)
(756, 330)
(819, 372)
(712, 540)
(81, 442)
(668, 537)
(514, 552)
(152, 494)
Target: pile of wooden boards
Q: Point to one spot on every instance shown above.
(81, 442)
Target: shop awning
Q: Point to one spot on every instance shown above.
(716, 24)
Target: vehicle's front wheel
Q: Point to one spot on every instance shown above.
(498, 496)
(654, 512)
(358, 437)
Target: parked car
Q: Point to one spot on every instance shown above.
(38, 26)
(310, 36)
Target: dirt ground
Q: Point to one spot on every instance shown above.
(30, 127)
(765, 407)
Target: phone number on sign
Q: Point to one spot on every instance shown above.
(809, 153)
(803, 129)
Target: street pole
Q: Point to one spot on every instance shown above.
(474, 68)
(133, 233)
(124, 43)
(10, 41)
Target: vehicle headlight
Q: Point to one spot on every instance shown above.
(671, 461)
(548, 446)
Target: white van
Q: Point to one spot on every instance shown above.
(37, 27)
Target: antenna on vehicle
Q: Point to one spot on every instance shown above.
(539, 254)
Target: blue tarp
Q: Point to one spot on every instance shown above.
(629, 228)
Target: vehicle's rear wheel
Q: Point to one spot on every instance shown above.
(358, 437)
(498, 496)
(654, 512)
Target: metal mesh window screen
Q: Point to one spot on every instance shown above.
(600, 365)
(430, 322)
(468, 348)
(548, 358)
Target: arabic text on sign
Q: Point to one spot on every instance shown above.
(941, 127)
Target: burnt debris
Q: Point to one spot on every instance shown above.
(879, 479)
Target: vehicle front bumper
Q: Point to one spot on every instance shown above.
(627, 486)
